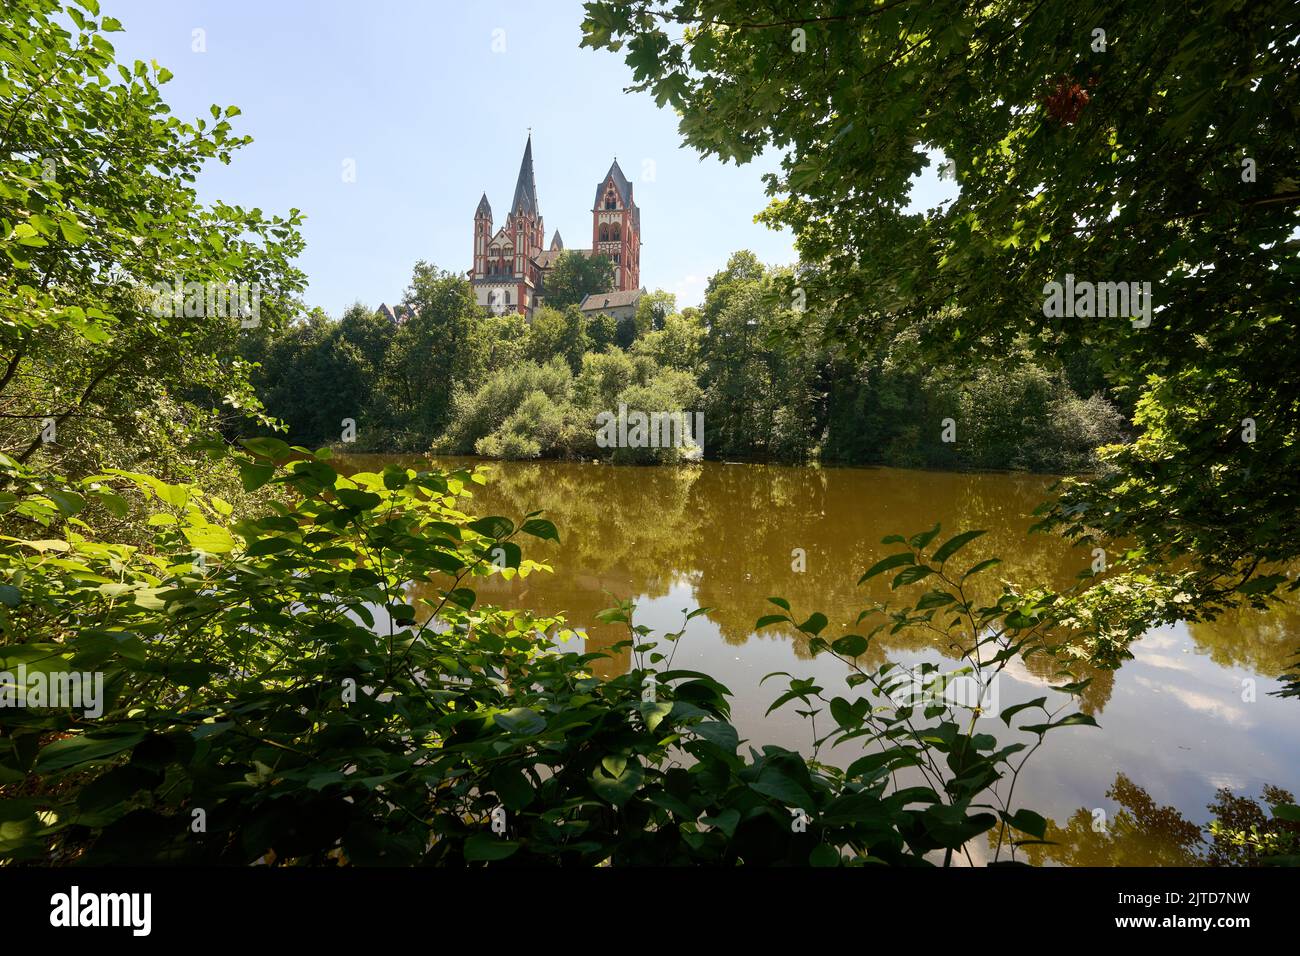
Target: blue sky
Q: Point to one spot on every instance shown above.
(414, 94)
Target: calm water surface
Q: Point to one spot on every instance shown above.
(1176, 722)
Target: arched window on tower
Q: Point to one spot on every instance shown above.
(613, 232)
(604, 232)
(507, 298)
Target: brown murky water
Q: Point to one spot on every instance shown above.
(1177, 722)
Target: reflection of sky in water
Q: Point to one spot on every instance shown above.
(1173, 720)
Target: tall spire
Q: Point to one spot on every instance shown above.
(526, 187)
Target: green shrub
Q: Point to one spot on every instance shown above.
(477, 414)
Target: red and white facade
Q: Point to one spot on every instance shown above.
(510, 263)
(616, 228)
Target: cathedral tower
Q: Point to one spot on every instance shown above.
(511, 261)
(616, 228)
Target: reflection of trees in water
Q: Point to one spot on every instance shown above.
(838, 517)
(624, 532)
(728, 532)
(1265, 642)
(627, 523)
(1140, 833)
(1093, 698)
(1144, 833)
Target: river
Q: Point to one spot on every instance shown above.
(1189, 714)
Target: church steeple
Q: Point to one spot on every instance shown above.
(526, 187)
(616, 227)
(511, 260)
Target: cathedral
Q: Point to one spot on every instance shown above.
(511, 262)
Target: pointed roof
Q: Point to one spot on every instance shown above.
(526, 187)
(620, 183)
(484, 209)
(556, 242)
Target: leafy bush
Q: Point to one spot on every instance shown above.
(477, 414)
(532, 410)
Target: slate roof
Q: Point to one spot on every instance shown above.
(547, 259)
(610, 300)
(526, 187)
(556, 242)
(620, 183)
(484, 208)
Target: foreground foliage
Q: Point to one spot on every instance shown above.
(272, 696)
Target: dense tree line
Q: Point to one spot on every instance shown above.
(455, 378)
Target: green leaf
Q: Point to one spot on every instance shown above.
(893, 561)
(212, 538)
(493, 526)
(114, 503)
(463, 597)
(271, 448)
(253, 475)
(779, 786)
(653, 713)
(68, 502)
(1072, 720)
(719, 734)
(1027, 821)
(1288, 812)
(934, 598)
(83, 748)
(520, 720)
(982, 566)
(824, 855)
(850, 645)
(1011, 711)
(919, 541)
(486, 847)
(816, 621)
(953, 545)
(505, 554)
(725, 822)
(512, 786)
(355, 498)
(910, 576)
(540, 528)
(72, 231)
(617, 788)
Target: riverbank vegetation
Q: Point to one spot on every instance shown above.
(533, 390)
